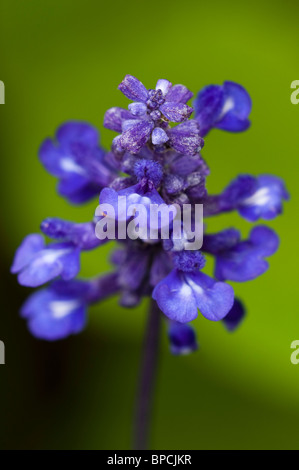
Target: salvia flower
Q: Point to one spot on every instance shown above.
(154, 160)
(225, 107)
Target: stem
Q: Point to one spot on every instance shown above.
(146, 385)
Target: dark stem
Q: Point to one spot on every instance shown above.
(146, 384)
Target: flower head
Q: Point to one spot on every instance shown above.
(149, 115)
(155, 161)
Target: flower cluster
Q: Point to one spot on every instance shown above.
(158, 149)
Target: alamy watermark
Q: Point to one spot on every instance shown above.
(2, 93)
(295, 94)
(295, 354)
(2, 353)
(151, 222)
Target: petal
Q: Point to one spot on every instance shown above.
(239, 189)
(183, 165)
(137, 109)
(114, 117)
(214, 299)
(208, 105)
(50, 263)
(182, 338)
(173, 184)
(265, 240)
(236, 108)
(136, 137)
(218, 242)
(73, 289)
(79, 195)
(179, 94)
(70, 264)
(234, 316)
(48, 327)
(133, 89)
(240, 264)
(176, 112)
(128, 123)
(40, 270)
(233, 123)
(164, 86)
(71, 184)
(51, 158)
(29, 247)
(175, 298)
(185, 138)
(77, 132)
(159, 136)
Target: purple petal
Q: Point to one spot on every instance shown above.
(176, 112)
(159, 136)
(164, 86)
(70, 264)
(221, 241)
(175, 298)
(29, 247)
(183, 165)
(52, 316)
(214, 299)
(236, 108)
(239, 189)
(182, 338)
(114, 117)
(136, 137)
(265, 240)
(185, 138)
(179, 94)
(51, 158)
(55, 260)
(79, 195)
(208, 105)
(234, 316)
(240, 264)
(77, 132)
(137, 109)
(133, 89)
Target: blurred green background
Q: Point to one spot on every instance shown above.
(63, 60)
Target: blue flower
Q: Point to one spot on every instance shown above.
(181, 293)
(151, 163)
(78, 161)
(225, 107)
(255, 197)
(238, 260)
(57, 311)
(38, 264)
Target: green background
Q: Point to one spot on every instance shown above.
(63, 60)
